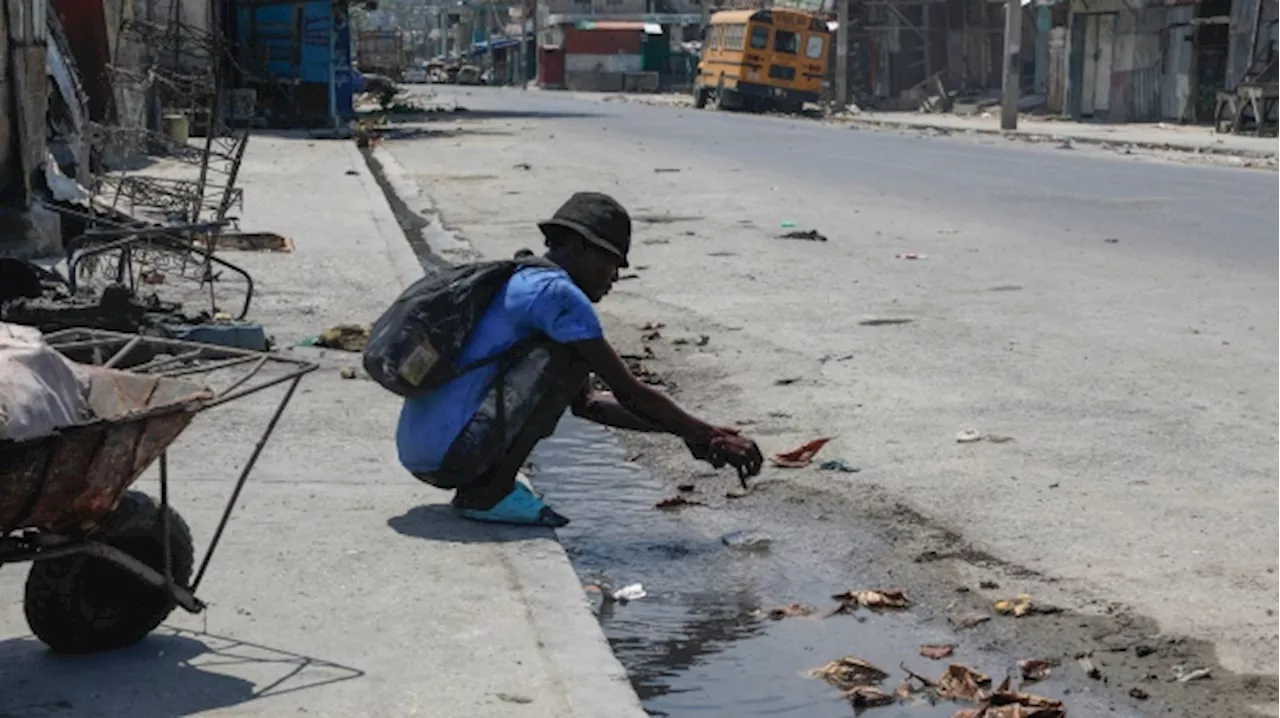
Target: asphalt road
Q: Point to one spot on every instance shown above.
(1210, 213)
(1115, 316)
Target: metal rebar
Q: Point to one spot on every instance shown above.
(120, 355)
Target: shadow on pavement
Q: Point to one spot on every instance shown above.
(438, 522)
(170, 673)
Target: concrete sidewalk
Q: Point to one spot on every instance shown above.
(1148, 136)
(343, 587)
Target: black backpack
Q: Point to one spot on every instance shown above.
(414, 346)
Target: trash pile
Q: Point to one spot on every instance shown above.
(860, 683)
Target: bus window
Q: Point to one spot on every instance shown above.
(759, 37)
(813, 47)
(734, 36)
(785, 41)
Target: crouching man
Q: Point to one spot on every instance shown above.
(474, 433)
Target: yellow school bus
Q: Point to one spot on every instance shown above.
(758, 60)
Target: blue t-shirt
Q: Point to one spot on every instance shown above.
(534, 301)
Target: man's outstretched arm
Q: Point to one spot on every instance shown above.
(644, 408)
(603, 407)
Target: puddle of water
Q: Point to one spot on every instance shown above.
(693, 647)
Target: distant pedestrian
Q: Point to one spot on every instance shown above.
(475, 432)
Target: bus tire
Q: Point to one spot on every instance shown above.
(724, 99)
(700, 96)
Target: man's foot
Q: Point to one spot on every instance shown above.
(521, 507)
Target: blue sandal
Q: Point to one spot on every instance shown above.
(521, 507)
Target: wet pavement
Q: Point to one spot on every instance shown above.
(695, 646)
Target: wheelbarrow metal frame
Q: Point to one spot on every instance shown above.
(19, 545)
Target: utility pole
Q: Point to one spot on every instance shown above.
(842, 53)
(1012, 80)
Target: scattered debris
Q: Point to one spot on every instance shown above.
(1111, 240)
(1138, 694)
(666, 169)
(347, 337)
(747, 540)
(632, 592)
(1035, 669)
(968, 436)
(1086, 665)
(838, 465)
(686, 487)
(347, 372)
(737, 493)
(1023, 606)
(988, 585)
(848, 673)
(651, 336)
(811, 235)
(882, 599)
(248, 242)
(963, 683)
(968, 620)
(152, 277)
(652, 326)
(1143, 650)
(788, 224)
(677, 502)
(912, 255)
(937, 651)
(522, 166)
(800, 456)
(786, 381)
(868, 697)
(998, 439)
(791, 610)
(1182, 675)
(513, 698)
(884, 322)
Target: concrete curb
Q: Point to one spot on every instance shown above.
(592, 679)
(1039, 136)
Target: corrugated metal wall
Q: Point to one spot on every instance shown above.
(602, 42)
(581, 62)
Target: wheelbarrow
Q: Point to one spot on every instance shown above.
(111, 563)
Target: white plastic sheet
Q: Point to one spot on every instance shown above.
(41, 391)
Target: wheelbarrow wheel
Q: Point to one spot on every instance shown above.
(83, 604)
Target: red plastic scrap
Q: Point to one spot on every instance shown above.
(801, 456)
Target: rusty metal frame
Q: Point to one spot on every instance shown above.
(171, 358)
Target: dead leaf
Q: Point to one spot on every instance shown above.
(868, 697)
(1138, 694)
(676, 502)
(968, 620)
(963, 683)
(800, 456)
(347, 337)
(883, 598)
(686, 487)
(848, 673)
(937, 651)
(1034, 669)
(791, 610)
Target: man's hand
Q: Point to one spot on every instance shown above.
(727, 446)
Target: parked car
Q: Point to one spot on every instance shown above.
(470, 75)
